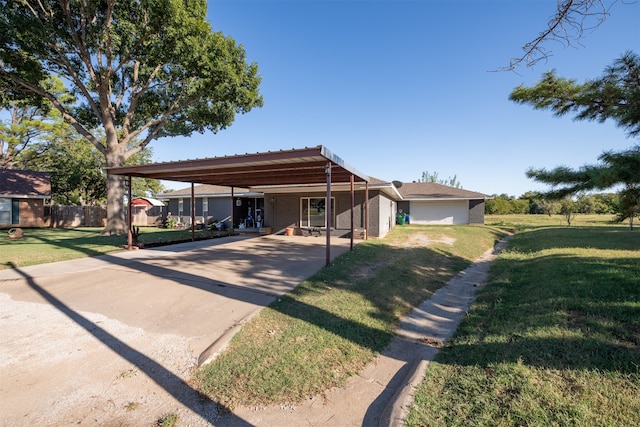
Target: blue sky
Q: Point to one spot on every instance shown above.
(396, 88)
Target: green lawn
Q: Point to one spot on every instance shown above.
(337, 321)
(43, 245)
(553, 339)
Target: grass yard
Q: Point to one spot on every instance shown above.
(523, 222)
(43, 245)
(337, 321)
(552, 340)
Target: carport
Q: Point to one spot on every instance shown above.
(316, 165)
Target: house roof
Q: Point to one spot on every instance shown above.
(285, 167)
(25, 184)
(433, 191)
(148, 201)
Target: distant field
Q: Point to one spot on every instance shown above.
(524, 221)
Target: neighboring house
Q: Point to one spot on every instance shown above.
(23, 195)
(431, 203)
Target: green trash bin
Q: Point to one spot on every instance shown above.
(400, 217)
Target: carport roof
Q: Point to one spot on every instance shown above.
(285, 167)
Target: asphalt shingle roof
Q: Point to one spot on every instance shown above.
(431, 190)
(15, 182)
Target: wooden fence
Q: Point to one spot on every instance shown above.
(58, 216)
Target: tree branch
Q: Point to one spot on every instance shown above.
(567, 27)
(63, 111)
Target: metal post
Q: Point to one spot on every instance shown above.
(130, 232)
(352, 203)
(327, 170)
(366, 211)
(193, 213)
(233, 219)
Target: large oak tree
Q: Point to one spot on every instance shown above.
(140, 70)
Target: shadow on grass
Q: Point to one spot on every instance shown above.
(57, 244)
(557, 310)
(618, 238)
(81, 240)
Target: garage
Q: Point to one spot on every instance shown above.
(430, 203)
(440, 212)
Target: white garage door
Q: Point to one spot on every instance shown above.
(445, 212)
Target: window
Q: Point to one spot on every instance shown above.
(205, 208)
(5, 211)
(180, 207)
(313, 211)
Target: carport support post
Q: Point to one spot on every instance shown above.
(327, 212)
(352, 203)
(193, 213)
(130, 229)
(366, 211)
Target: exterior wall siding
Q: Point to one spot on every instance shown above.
(385, 212)
(219, 208)
(283, 210)
(32, 213)
(26, 213)
(476, 211)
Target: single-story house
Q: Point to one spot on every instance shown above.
(308, 190)
(278, 207)
(295, 189)
(300, 206)
(23, 195)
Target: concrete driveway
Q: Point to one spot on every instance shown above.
(113, 340)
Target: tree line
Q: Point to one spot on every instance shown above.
(536, 203)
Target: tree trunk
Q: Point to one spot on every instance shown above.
(115, 192)
(115, 206)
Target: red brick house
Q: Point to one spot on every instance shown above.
(23, 195)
